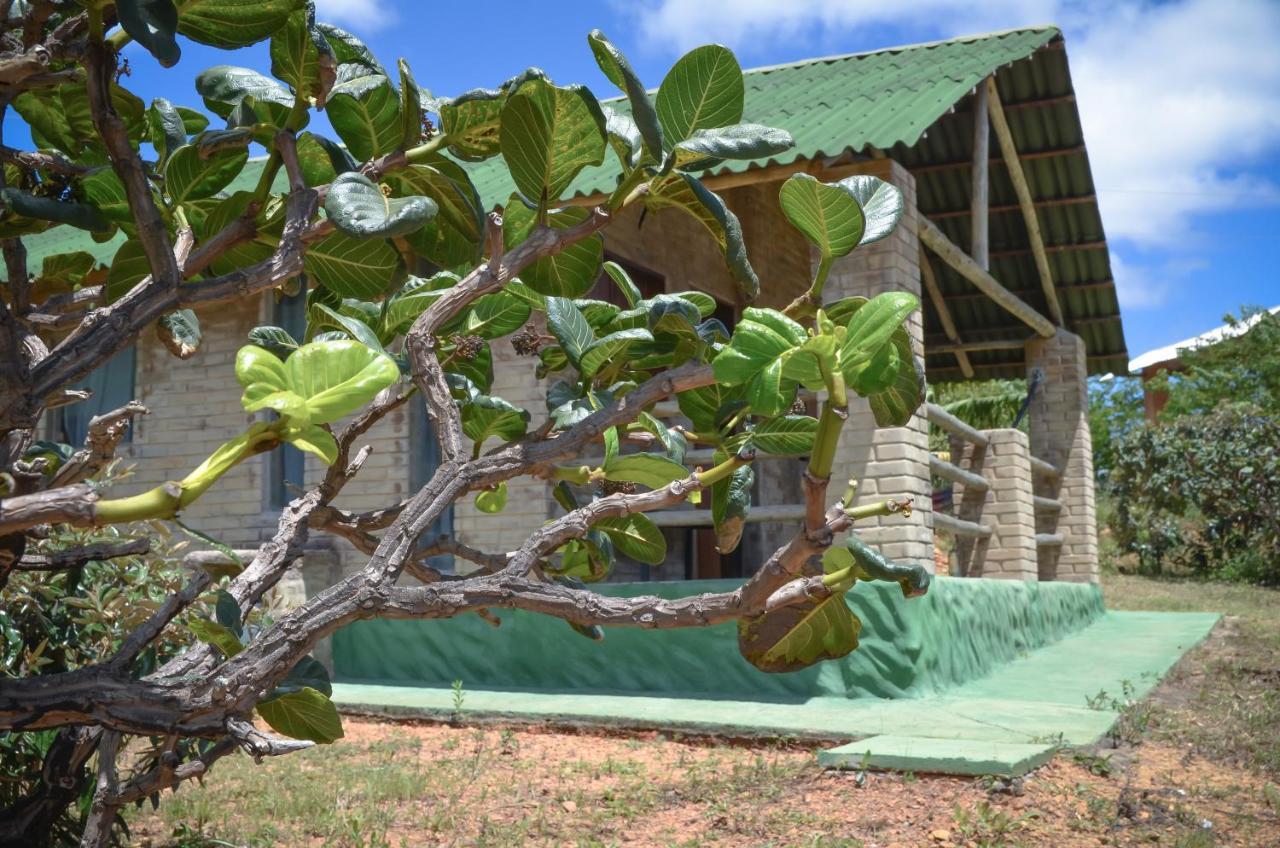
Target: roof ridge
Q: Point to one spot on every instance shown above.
(900, 48)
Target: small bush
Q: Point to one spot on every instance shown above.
(1197, 495)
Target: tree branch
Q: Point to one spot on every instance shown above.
(75, 557)
(105, 432)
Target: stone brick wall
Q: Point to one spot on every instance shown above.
(1006, 507)
(1059, 419)
(890, 462)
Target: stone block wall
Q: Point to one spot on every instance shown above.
(1059, 423)
(1006, 507)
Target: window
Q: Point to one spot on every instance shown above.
(112, 387)
(424, 458)
(286, 465)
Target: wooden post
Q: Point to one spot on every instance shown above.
(944, 313)
(948, 252)
(981, 189)
(1020, 187)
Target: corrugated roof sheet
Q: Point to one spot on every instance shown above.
(912, 102)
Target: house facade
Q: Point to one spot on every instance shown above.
(1001, 240)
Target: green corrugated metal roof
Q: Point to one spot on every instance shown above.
(839, 103)
(912, 102)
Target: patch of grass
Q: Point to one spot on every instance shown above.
(1224, 697)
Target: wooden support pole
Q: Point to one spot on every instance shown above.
(975, 347)
(944, 313)
(980, 193)
(1000, 208)
(948, 252)
(1019, 179)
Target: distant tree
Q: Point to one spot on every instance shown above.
(1243, 369)
(356, 223)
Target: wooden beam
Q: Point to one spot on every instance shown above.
(1003, 208)
(944, 312)
(1052, 153)
(964, 265)
(1019, 179)
(1051, 248)
(958, 526)
(1025, 293)
(1034, 103)
(980, 182)
(976, 347)
(948, 422)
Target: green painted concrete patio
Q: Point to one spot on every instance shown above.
(1007, 717)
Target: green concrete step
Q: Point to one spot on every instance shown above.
(925, 755)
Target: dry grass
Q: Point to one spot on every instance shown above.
(1201, 777)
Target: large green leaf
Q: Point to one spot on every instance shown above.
(166, 130)
(60, 116)
(275, 339)
(637, 537)
(703, 90)
(364, 109)
(571, 272)
(730, 502)
(353, 267)
(567, 323)
(790, 435)
(304, 714)
(472, 121)
(302, 57)
(740, 141)
(685, 192)
(319, 383)
(547, 135)
(412, 299)
(757, 356)
(610, 349)
(648, 469)
(872, 565)
(223, 87)
(104, 190)
(322, 159)
(190, 176)
(709, 407)
(348, 49)
(828, 216)
(358, 207)
(616, 67)
(894, 405)
(881, 203)
(216, 634)
(233, 23)
(412, 106)
(153, 24)
(630, 291)
(798, 635)
(872, 326)
(128, 268)
(487, 416)
(306, 672)
(496, 315)
(452, 238)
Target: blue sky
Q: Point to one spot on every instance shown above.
(1180, 103)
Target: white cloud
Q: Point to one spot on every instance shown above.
(1179, 100)
(364, 15)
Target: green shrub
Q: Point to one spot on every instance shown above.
(1197, 495)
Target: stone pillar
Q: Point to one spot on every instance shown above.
(1006, 507)
(890, 462)
(1059, 419)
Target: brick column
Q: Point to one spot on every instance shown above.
(1059, 418)
(890, 462)
(1006, 507)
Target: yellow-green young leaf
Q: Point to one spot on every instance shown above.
(548, 134)
(153, 24)
(319, 383)
(637, 537)
(616, 67)
(827, 215)
(648, 469)
(492, 500)
(313, 439)
(571, 272)
(757, 356)
(365, 111)
(304, 714)
(790, 435)
(358, 207)
(233, 23)
(217, 635)
(798, 635)
(703, 90)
